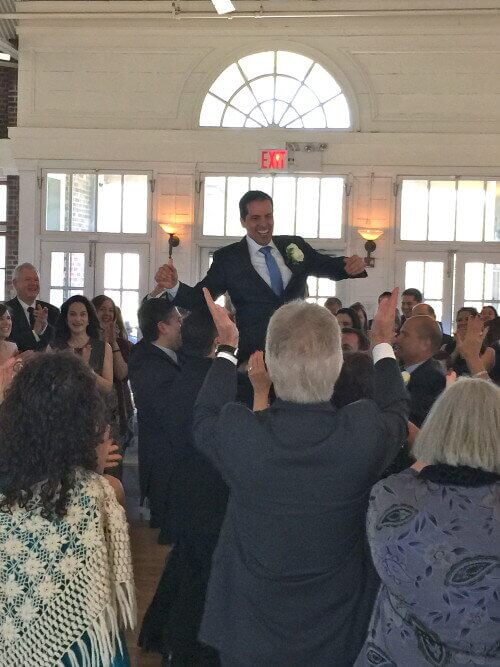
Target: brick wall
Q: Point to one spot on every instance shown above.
(8, 118)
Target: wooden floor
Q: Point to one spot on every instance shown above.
(149, 560)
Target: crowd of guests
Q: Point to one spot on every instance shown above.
(332, 500)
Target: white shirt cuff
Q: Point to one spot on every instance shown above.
(382, 351)
(228, 356)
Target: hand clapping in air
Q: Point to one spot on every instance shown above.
(382, 330)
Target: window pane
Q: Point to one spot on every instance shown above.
(289, 117)
(211, 111)
(57, 276)
(323, 83)
(326, 287)
(2, 284)
(244, 100)
(474, 304)
(491, 282)
(135, 204)
(229, 81)
(109, 203)
(268, 111)
(57, 196)
(414, 203)
(337, 112)
(129, 307)
(414, 275)
(112, 270)
(236, 188)
(284, 205)
(438, 308)
(292, 64)
(83, 202)
(470, 210)
(442, 211)
(492, 211)
(233, 118)
(56, 297)
(331, 203)
(315, 118)
(76, 269)
(305, 100)
(286, 88)
(312, 286)
(263, 88)
(474, 281)
(263, 183)
(307, 207)
(3, 202)
(257, 64)
(433, 280)
(213, 207)
(130, 278)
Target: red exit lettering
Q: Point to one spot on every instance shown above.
(273, 160)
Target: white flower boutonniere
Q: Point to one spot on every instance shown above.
(406, 377)
(294, 253)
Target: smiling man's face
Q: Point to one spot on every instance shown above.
(259, 221)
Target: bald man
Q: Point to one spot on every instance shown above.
(418, 341)
(426, 309)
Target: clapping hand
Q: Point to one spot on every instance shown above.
(354, 265)
(257, 372)
(107, 452)
(41, 314)
(382, 330)
(227, 331)
(166, 277)
(469, 346)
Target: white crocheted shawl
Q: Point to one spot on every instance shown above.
(67, 580)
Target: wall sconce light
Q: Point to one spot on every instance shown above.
(370, 236)
(173, 240)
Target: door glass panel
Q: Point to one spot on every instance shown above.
(433, 280)
(236, 188)
(213, 206)
(474, 281)
(130, 270)
(57, 208)
(122, 284)
(67, 275)
(307, 207)
(112, 270)
(428, 277)
(284, 204)
(135, 204)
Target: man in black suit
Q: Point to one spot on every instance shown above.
(260, 273)
(292, 581)
(153, 367)
(417, 342)
(33, 321)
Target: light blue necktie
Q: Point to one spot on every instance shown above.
(274, 271)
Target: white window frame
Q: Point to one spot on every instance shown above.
(124, 237)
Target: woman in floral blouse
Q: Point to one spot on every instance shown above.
(434, 534)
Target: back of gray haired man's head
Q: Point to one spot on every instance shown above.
(20, 268)
(303, 352)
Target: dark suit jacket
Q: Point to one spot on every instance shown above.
(152, 373)
(292, 581)
(198, 494)
(22, 335)
(426, 383)
(232, 271)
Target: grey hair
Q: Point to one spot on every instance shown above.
(21, 267)
(463, 427)
(303, 352)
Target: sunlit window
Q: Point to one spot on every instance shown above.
(450, 210)
(482, 284)
(308, 206)
(89, 202)
(428, 278)
(275, 88)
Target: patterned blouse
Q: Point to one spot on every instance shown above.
(436, 547)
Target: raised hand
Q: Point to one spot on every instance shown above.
(257, 372)
(40, 314)
(227, 331)
(469, 346)
(382, 330)
(166, 277)
(354, 265)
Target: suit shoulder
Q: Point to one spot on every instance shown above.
(226, 251)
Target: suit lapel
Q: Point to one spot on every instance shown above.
(282, 243)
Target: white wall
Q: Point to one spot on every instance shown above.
(424, 91)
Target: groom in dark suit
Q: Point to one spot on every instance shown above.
(260, 273)
(33, 321)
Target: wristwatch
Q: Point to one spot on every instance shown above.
(229, 349)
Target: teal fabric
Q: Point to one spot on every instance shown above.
(121, 659)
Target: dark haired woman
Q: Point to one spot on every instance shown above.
(360, 311)
(78, 330)
(66, 577)
(8, 349)
(348, 317)
(109, 318)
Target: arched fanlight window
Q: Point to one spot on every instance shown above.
(275, 89)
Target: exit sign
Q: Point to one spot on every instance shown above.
(272, 159)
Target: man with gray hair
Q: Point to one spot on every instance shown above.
(33, 321)
(292, 581)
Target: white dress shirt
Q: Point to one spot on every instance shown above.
(259, 264)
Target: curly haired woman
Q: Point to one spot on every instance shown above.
(65, 566)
